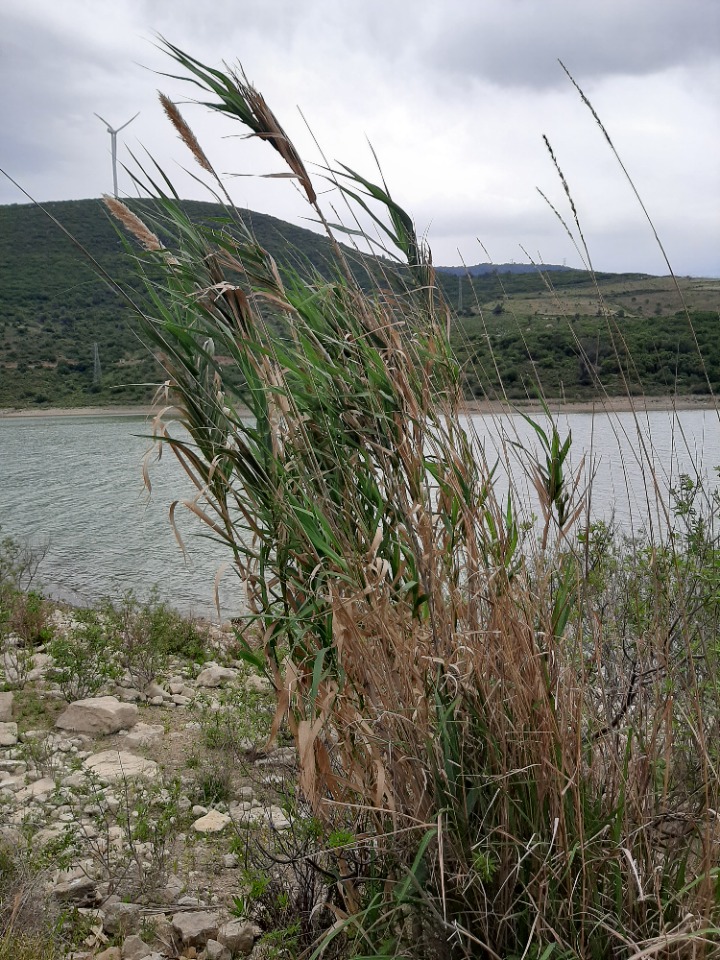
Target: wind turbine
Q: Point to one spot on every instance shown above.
(113, 146)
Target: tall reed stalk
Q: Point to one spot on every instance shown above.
(525, 739)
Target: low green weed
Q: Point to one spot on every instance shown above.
(28, 921)
(23, 612)
(240, 722)
(24, 946)
(212, 784)
(139, 631)
(19, 563)
(29, 619)
(133, 839)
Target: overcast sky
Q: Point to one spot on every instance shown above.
(454, 96)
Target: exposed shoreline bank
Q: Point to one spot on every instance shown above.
(603, 405)
(38, 413)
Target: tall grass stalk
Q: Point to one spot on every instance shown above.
(526, 739)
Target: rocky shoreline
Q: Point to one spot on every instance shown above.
(135, 805)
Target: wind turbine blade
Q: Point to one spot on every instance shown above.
(129, 121)
(104, 121)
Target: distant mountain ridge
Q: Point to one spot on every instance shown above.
(483, 269)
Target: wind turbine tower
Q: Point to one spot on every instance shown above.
(113, 146)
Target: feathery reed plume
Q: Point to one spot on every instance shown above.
(267, 127)
(185, 133)
(133, 224)
(239, 100)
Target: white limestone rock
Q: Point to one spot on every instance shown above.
(41, 788)
(216, 951)
(114, 765)
(144, 733)
(196, 927)
(239, 937)
(212, 822)
(8, 734)
(98, 715)
(121, 919)
(214, 676)
(155, 690)
(135, 948)
(6, 707)
(258, 684)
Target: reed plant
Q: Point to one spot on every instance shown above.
(518, 734)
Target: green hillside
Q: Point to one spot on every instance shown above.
(54, 307)
(571, 333)
(67, 339)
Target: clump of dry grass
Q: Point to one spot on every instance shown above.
(26, 916)
(530, 758)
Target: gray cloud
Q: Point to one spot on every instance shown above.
(455, 97)
(517, 42)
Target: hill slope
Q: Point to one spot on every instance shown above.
(66, 339)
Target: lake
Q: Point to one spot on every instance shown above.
(76, 484)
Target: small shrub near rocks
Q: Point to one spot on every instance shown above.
(29, 619)
(15, 945)
(213, 784)
(19, 564)
(24, 626)
(236, 719)
(148, 634)
(139, 631)
(24, 615)
(83, 657)
(188, 638)
(288, 879)
(128, 832)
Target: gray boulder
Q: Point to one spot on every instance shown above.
(6, 707)
(196, 927)
(121, 918)
(217, 951)
(214, 675)
(8, 734)
(98, 715)
(134, 948)
(239, 937)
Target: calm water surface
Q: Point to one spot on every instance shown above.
(75, 483)
(633, 461)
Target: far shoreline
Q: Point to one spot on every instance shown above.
(620, 404)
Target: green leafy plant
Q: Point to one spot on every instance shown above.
(19, 563)
(29, 619)
(28, 920)
(24, 614)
